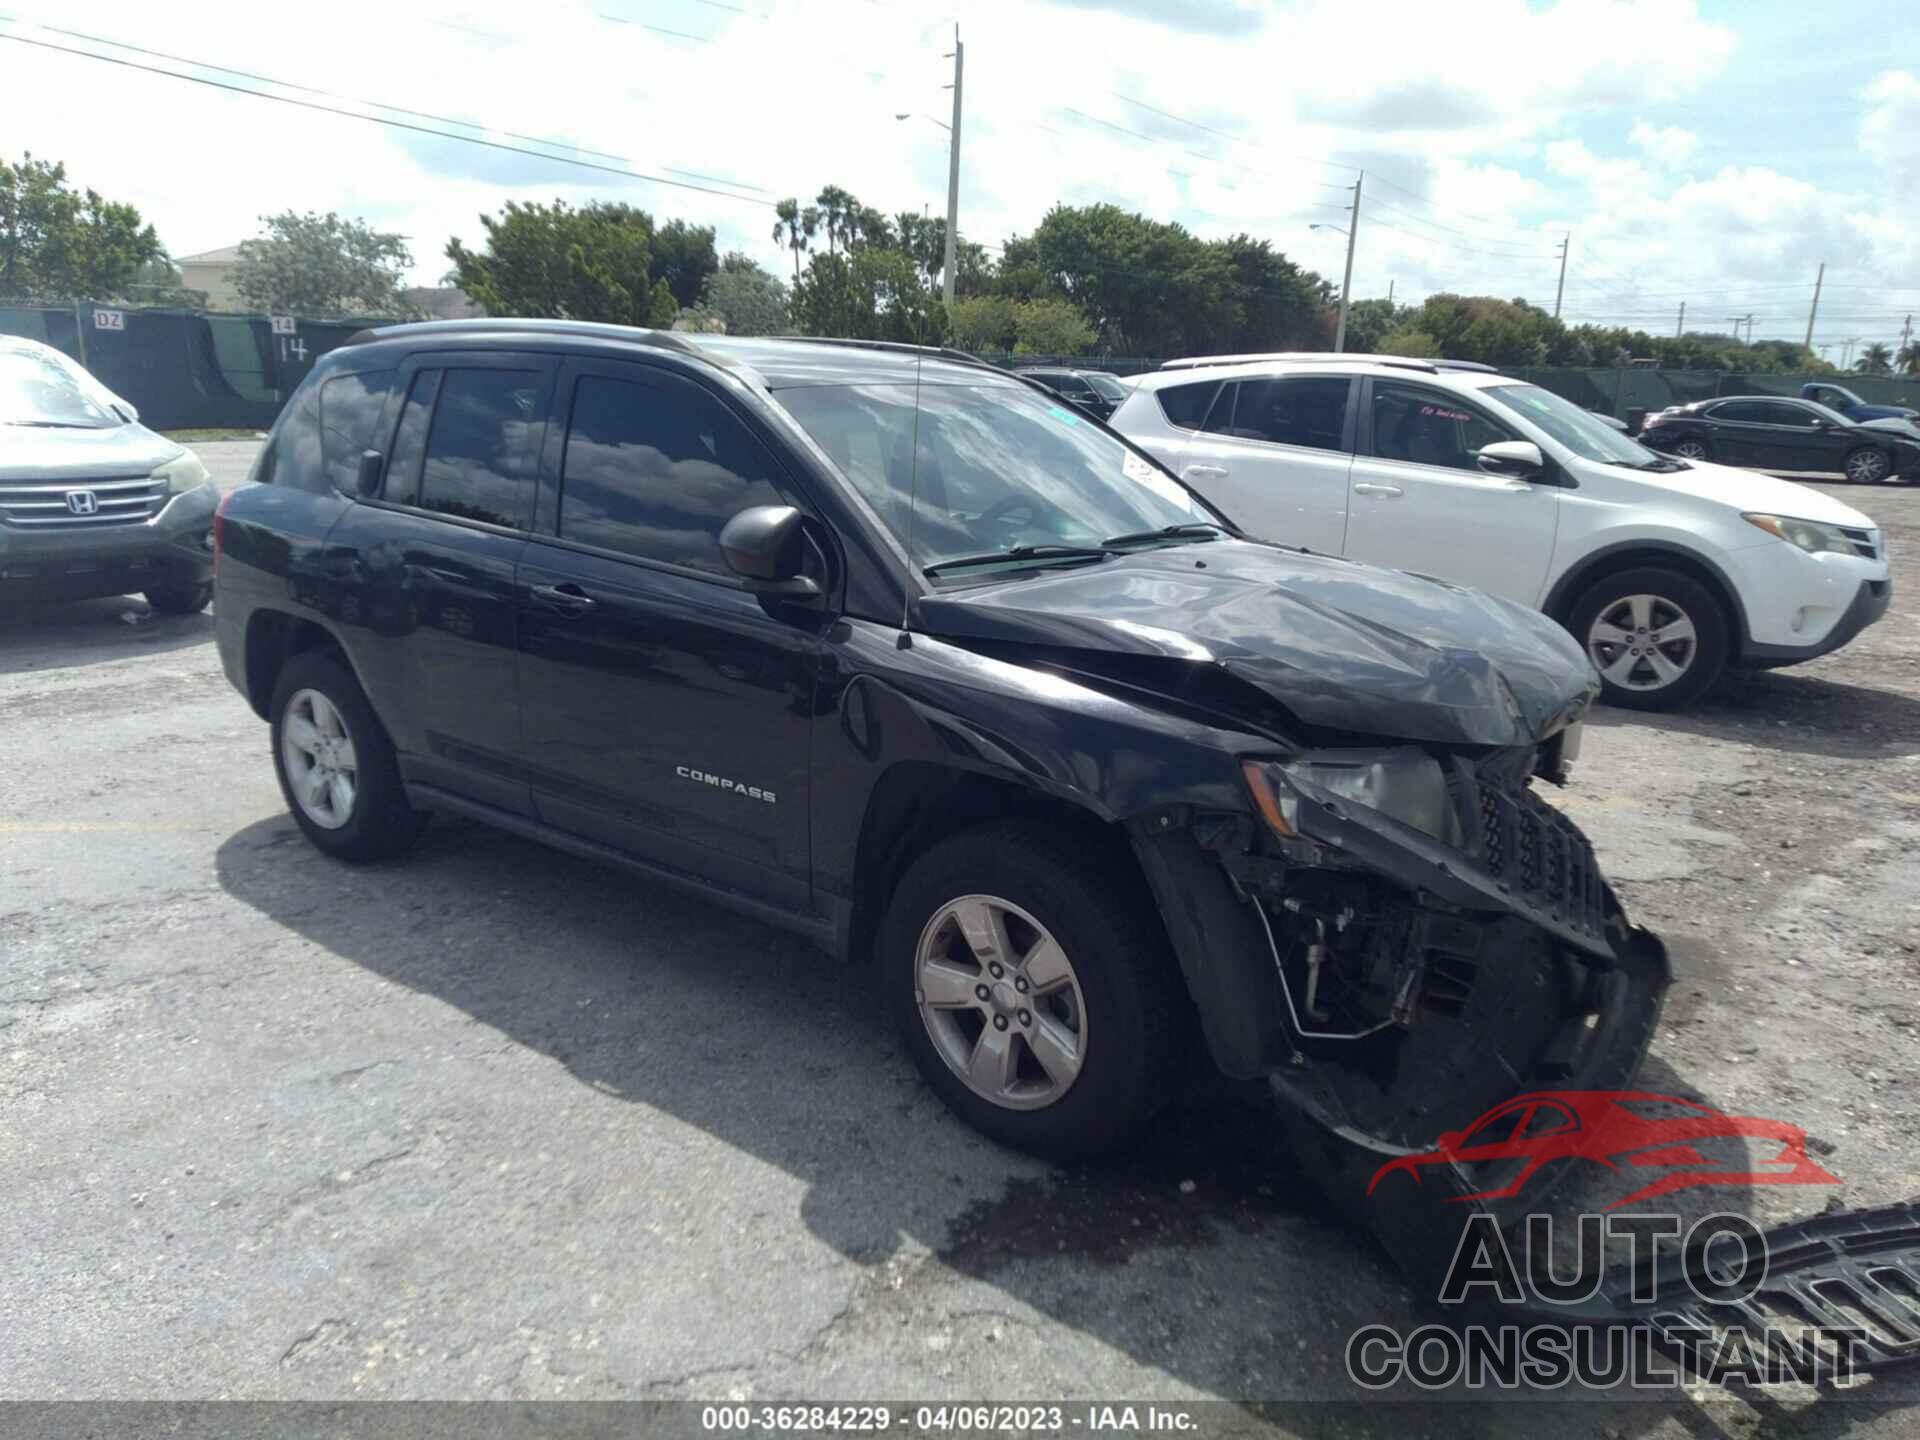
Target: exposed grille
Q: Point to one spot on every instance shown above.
(44, 504)
(1866, 543)
(1530, 848)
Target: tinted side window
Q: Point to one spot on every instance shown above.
(656, 472)
(350, 410)
(1779, 414)
(1186, 405)
(1309, 411)
(1426, 427)
(481, 450)
(410, 439)
(1749, 412)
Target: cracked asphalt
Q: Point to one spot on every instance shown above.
(499, 1123)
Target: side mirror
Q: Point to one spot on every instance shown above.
(1520, 459)
(765, 545)
(373, 466)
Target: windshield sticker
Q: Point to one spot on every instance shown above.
(1059, 414)
(1136, 469)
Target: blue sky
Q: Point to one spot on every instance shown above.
(1712, 151)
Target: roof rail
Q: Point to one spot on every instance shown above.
(632, 334)
(944, 352)
(1327, 357)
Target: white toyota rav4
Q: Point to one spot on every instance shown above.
(1666, 570)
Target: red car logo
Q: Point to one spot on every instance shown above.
(1679, 1144)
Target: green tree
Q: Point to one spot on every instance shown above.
(1909, 358)
(59, 243)
(795, 228)
(1408, 341)
(593, 263)
(314, 264)
(1371, 321)
(1280, 304)
(747, 299)
(870, 294)
(683, 256)
(1876, 359)
(983, 323)
(1051, 327)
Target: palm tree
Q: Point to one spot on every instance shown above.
(1908, 360)
(795, 227)
(1876, 359)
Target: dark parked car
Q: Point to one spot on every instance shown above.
(1844, 402)
(1094, 391)
(886, 649)
(1772, 433)
(93, 503)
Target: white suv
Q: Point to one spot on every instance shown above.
(1667, 570)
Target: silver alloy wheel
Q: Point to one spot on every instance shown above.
(1690, 450)
(1642, 642)
(1866, 466)
(1001, 1002)
(317, 751)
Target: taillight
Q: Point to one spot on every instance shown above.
(219, 524)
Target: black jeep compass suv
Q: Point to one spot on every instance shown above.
(893, 649)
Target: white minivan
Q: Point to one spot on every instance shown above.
(1666, 570)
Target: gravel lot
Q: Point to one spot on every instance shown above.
(496, 1122)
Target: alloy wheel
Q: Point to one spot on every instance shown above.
(1642, 642)
(322, 770)
(1866, 466)
(1690, 450)
(1001, 1002)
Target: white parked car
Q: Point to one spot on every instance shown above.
(1666, 570)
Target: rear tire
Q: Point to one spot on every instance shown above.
(1867, 465)
(336, 765)
(1658, 637)
(180, 599)
(1693, 450)
(1122, 1016)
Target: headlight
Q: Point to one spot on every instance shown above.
(183, 472)
(1810, 535)
(1406, 785)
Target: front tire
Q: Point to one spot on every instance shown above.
(336, 765)
(1034, 987)
(1658, 637)
(1693, 450)
(180, 599)
(1867, 465)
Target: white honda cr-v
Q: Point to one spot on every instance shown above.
(1666, 570)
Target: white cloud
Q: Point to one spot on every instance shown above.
(1668, 146)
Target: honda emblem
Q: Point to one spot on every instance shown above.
(83, 502)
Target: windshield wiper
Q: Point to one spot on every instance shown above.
(1023, 552)
(1193, 530)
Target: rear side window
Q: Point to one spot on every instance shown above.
(350, 410)
(1309, 411)
(1186, 405)
(481, 451)
(655, 471)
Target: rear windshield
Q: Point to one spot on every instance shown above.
(42, 392)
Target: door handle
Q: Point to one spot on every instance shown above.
(1206, 472)
(1367, 487)
(450, 577)
(568, 598)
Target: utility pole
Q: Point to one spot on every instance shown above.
(1846, 353)
(1680, 325)
(1346, 283)
(1738, 321)
(1390, 297)
(953, 175)
(1814, 309)
(1566, 244)
(1906, 338)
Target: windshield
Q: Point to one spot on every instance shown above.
(39, 390)
(1000, 467)
(1105, 386)
(1586, 435)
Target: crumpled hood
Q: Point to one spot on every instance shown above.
(1340, 645)
(1901, 425)
(27, 453)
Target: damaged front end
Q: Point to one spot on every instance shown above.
(1430, 938)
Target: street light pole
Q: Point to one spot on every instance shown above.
(1566, 244)
(953, 176)
(1814, 309)
(1346, 282)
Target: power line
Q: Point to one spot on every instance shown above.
(384, 120)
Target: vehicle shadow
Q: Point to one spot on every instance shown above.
(93, 632)
(1207, 1254)
(1793, 713)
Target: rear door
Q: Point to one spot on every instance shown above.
(424, 571)
(1422, 503)
(668, 709)
(1274, 452)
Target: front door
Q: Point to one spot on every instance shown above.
(1274, 453)
(1422, 503)
(668, 710)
